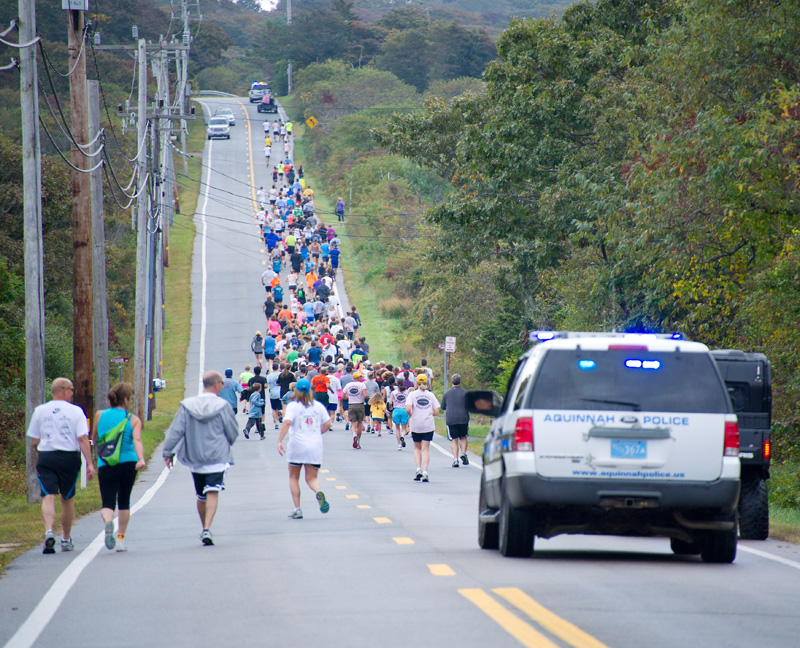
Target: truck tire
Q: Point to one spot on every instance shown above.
(487, 531)
(683, 548)
(754, 509)
(720, 546)
(515, 530)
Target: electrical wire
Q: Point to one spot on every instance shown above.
(58, 150)
(11, 26)
(21, 45)
(77, 60)
(14, 63)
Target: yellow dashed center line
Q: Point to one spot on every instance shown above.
(403, 541)
(363, 506)
(351, 496)
(547, 619)
(441, 570)
(324, 470)
(512, 624)
(341, 488)
(382, 520)
(330, 479)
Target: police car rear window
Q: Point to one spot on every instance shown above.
(629, 380)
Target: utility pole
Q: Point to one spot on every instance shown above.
(140, 386)
(34, 253)
(82, 349)
(99, 305)
(182, 64)
(289, 65)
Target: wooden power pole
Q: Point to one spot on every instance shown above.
(82, 345)
(34, 254)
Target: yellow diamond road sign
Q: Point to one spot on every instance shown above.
(311, 122)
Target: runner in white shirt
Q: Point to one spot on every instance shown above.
(261, 197)
(308, 420)
(60, 435)
(421, 406)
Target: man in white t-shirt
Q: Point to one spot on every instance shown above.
(261, 198)
(60, 434)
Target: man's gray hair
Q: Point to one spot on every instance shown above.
(456, 379)
(211, 378)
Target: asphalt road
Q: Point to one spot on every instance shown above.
(394, 563)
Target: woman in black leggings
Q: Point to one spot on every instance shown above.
(116, 482)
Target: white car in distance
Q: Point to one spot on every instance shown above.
(227, 113)
(218, 127)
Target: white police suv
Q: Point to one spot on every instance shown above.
(614, 434)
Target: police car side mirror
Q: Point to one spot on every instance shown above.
(485, 402)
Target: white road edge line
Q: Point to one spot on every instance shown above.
(449, 454)
(203, 268)
(769, 556)
(29, 632)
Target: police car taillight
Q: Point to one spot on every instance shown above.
(731, 439)
(523, 434)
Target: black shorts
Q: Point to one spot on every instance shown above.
(116, 484)
(315, 256)
(345, 405)
(276, 404)
(205, 482)
(332, 406)
(322, 397)
(290, 249)
(294, 463)
(269, 356)
(367, 410)
(418, 437)
(458, 431)
(58, 472)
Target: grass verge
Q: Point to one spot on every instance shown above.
(20, 522)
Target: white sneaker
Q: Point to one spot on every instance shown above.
(121, 545)
(399, 447)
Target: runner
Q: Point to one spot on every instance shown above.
(457, 419)
(116, 481)
(257, 347)
(308, 420)
(399, 414)
(256, 412)
(60, 434)
(421, 406)
(356, 393)
(275, 395)
(202, 433)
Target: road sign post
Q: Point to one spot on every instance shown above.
(449, 346)
(119, 362)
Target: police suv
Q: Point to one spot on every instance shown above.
(613, 434)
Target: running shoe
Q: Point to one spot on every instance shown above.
(277, 426)
(402, 442)
(424, 476)
(399, 447)
(66, 544)
(246, 434)
(369, 428)
(418, 476)
(262, 436)
(324, 506)
(121, 545)
(110, 540)
(346, 427)
(358, 444)
(464, 460)
(280, 419)
(297, 514)
(206, 538)
(355, 443)
(379, 434)
(455, 463)
(49, 543)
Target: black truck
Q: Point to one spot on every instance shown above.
(749, 382)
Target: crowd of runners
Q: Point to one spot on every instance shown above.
(311, 367)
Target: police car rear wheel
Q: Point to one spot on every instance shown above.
(516, 530)
(487, 531)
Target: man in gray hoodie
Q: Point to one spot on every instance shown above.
(202, 433)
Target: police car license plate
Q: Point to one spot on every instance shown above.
(628, 449)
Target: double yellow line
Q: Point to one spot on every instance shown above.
(522, 631)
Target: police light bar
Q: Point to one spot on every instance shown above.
(544, 336)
